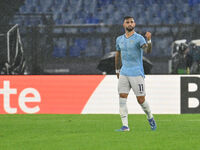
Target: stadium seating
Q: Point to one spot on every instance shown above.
(152, 12)
(173, 10)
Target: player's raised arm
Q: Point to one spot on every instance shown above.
(147, 47)
(117, 63)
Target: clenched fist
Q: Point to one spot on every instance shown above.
(148, 35)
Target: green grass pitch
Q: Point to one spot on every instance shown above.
(97, 132)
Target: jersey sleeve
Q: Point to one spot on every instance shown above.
(142, 41)
(117, 45)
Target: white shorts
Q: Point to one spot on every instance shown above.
(136, 83)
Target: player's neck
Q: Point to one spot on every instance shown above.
(129, 34)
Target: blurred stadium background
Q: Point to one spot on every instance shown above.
(77, 38)
(72, 36)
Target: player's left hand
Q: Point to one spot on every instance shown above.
(148, 35)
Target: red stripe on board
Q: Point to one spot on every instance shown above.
(65, 94)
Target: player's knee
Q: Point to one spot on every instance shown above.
(140, 99)
(123, 95)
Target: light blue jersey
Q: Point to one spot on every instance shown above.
(131, 53)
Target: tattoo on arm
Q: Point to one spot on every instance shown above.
(117, 60)
(147, 48)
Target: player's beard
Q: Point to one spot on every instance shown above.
(129, 29)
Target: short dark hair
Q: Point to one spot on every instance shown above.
(127, 17)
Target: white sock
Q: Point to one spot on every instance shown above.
(146, 108)
(123, 110)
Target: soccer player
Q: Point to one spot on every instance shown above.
(129, 54)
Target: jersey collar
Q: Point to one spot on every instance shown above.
(130, 36)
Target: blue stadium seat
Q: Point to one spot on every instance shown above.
(187, 20)
(195, 16)
(75, 51)
(154, 7)
(29, 2)
(172, 20)
(39, 9)
(109, 21)
(93, 48)
(193, 2)
(137, 2)
(164, 30)
(91, 19)
(148, 15)
(141, 21)
(22, 9)
(58, 19)
(156, 21)
(185, 7)
(59, 48)
(170, 7)
(46, 3)
(79, 47)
